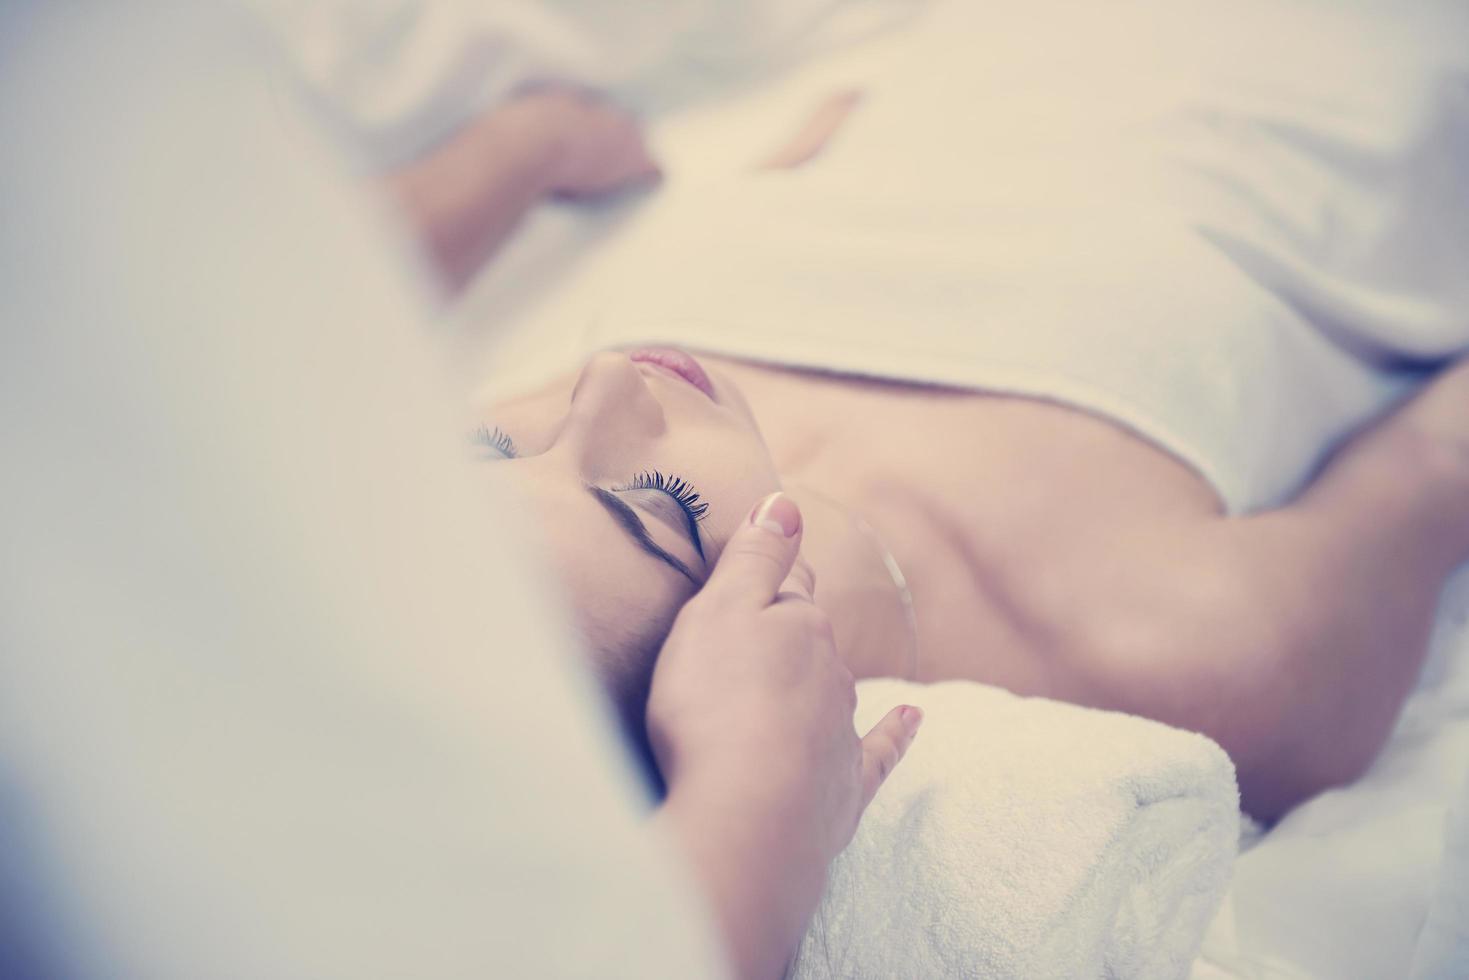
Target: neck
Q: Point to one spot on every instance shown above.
(856, 585)
(873, 626)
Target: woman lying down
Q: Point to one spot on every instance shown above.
(957, 534)
(1089, 428)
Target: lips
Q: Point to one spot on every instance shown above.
(678, 362)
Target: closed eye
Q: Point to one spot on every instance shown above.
(628, 520)
(672, 500)
(494, 443)
(682, 493)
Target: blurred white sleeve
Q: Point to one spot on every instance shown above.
(280, 694)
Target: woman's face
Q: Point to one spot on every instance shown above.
(639, 478)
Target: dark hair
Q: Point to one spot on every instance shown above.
(625, 673)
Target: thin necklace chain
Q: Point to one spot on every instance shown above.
(889, 562)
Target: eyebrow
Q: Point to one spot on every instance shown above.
(629, 521)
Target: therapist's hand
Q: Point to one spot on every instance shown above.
(750, 719)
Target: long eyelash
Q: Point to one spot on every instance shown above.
(676, 487)
(496, 439)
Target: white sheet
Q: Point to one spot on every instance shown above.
(1343, 886)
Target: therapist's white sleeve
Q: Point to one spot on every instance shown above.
(280, 694)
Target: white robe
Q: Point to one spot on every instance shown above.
(280, 694)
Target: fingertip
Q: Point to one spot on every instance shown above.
(911, 717)
(802, 579)
(777, 514)
(759, 556)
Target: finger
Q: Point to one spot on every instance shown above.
(626, 167)
(813, 136)
(642, 165)
(800, 582)
(885, 746)
(759, 555)
(636, 168)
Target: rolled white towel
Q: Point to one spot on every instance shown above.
(1028, 838)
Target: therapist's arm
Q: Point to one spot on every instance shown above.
(750, 718)
(466, 197)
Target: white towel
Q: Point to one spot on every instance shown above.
(1400, 293)
(1224, 233)
(394, 77)
(1028, 838)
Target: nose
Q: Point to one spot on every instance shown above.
(611, 400)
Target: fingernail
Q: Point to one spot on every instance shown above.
(912, 717)
(778, 514)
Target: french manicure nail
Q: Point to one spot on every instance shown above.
(777, 514)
